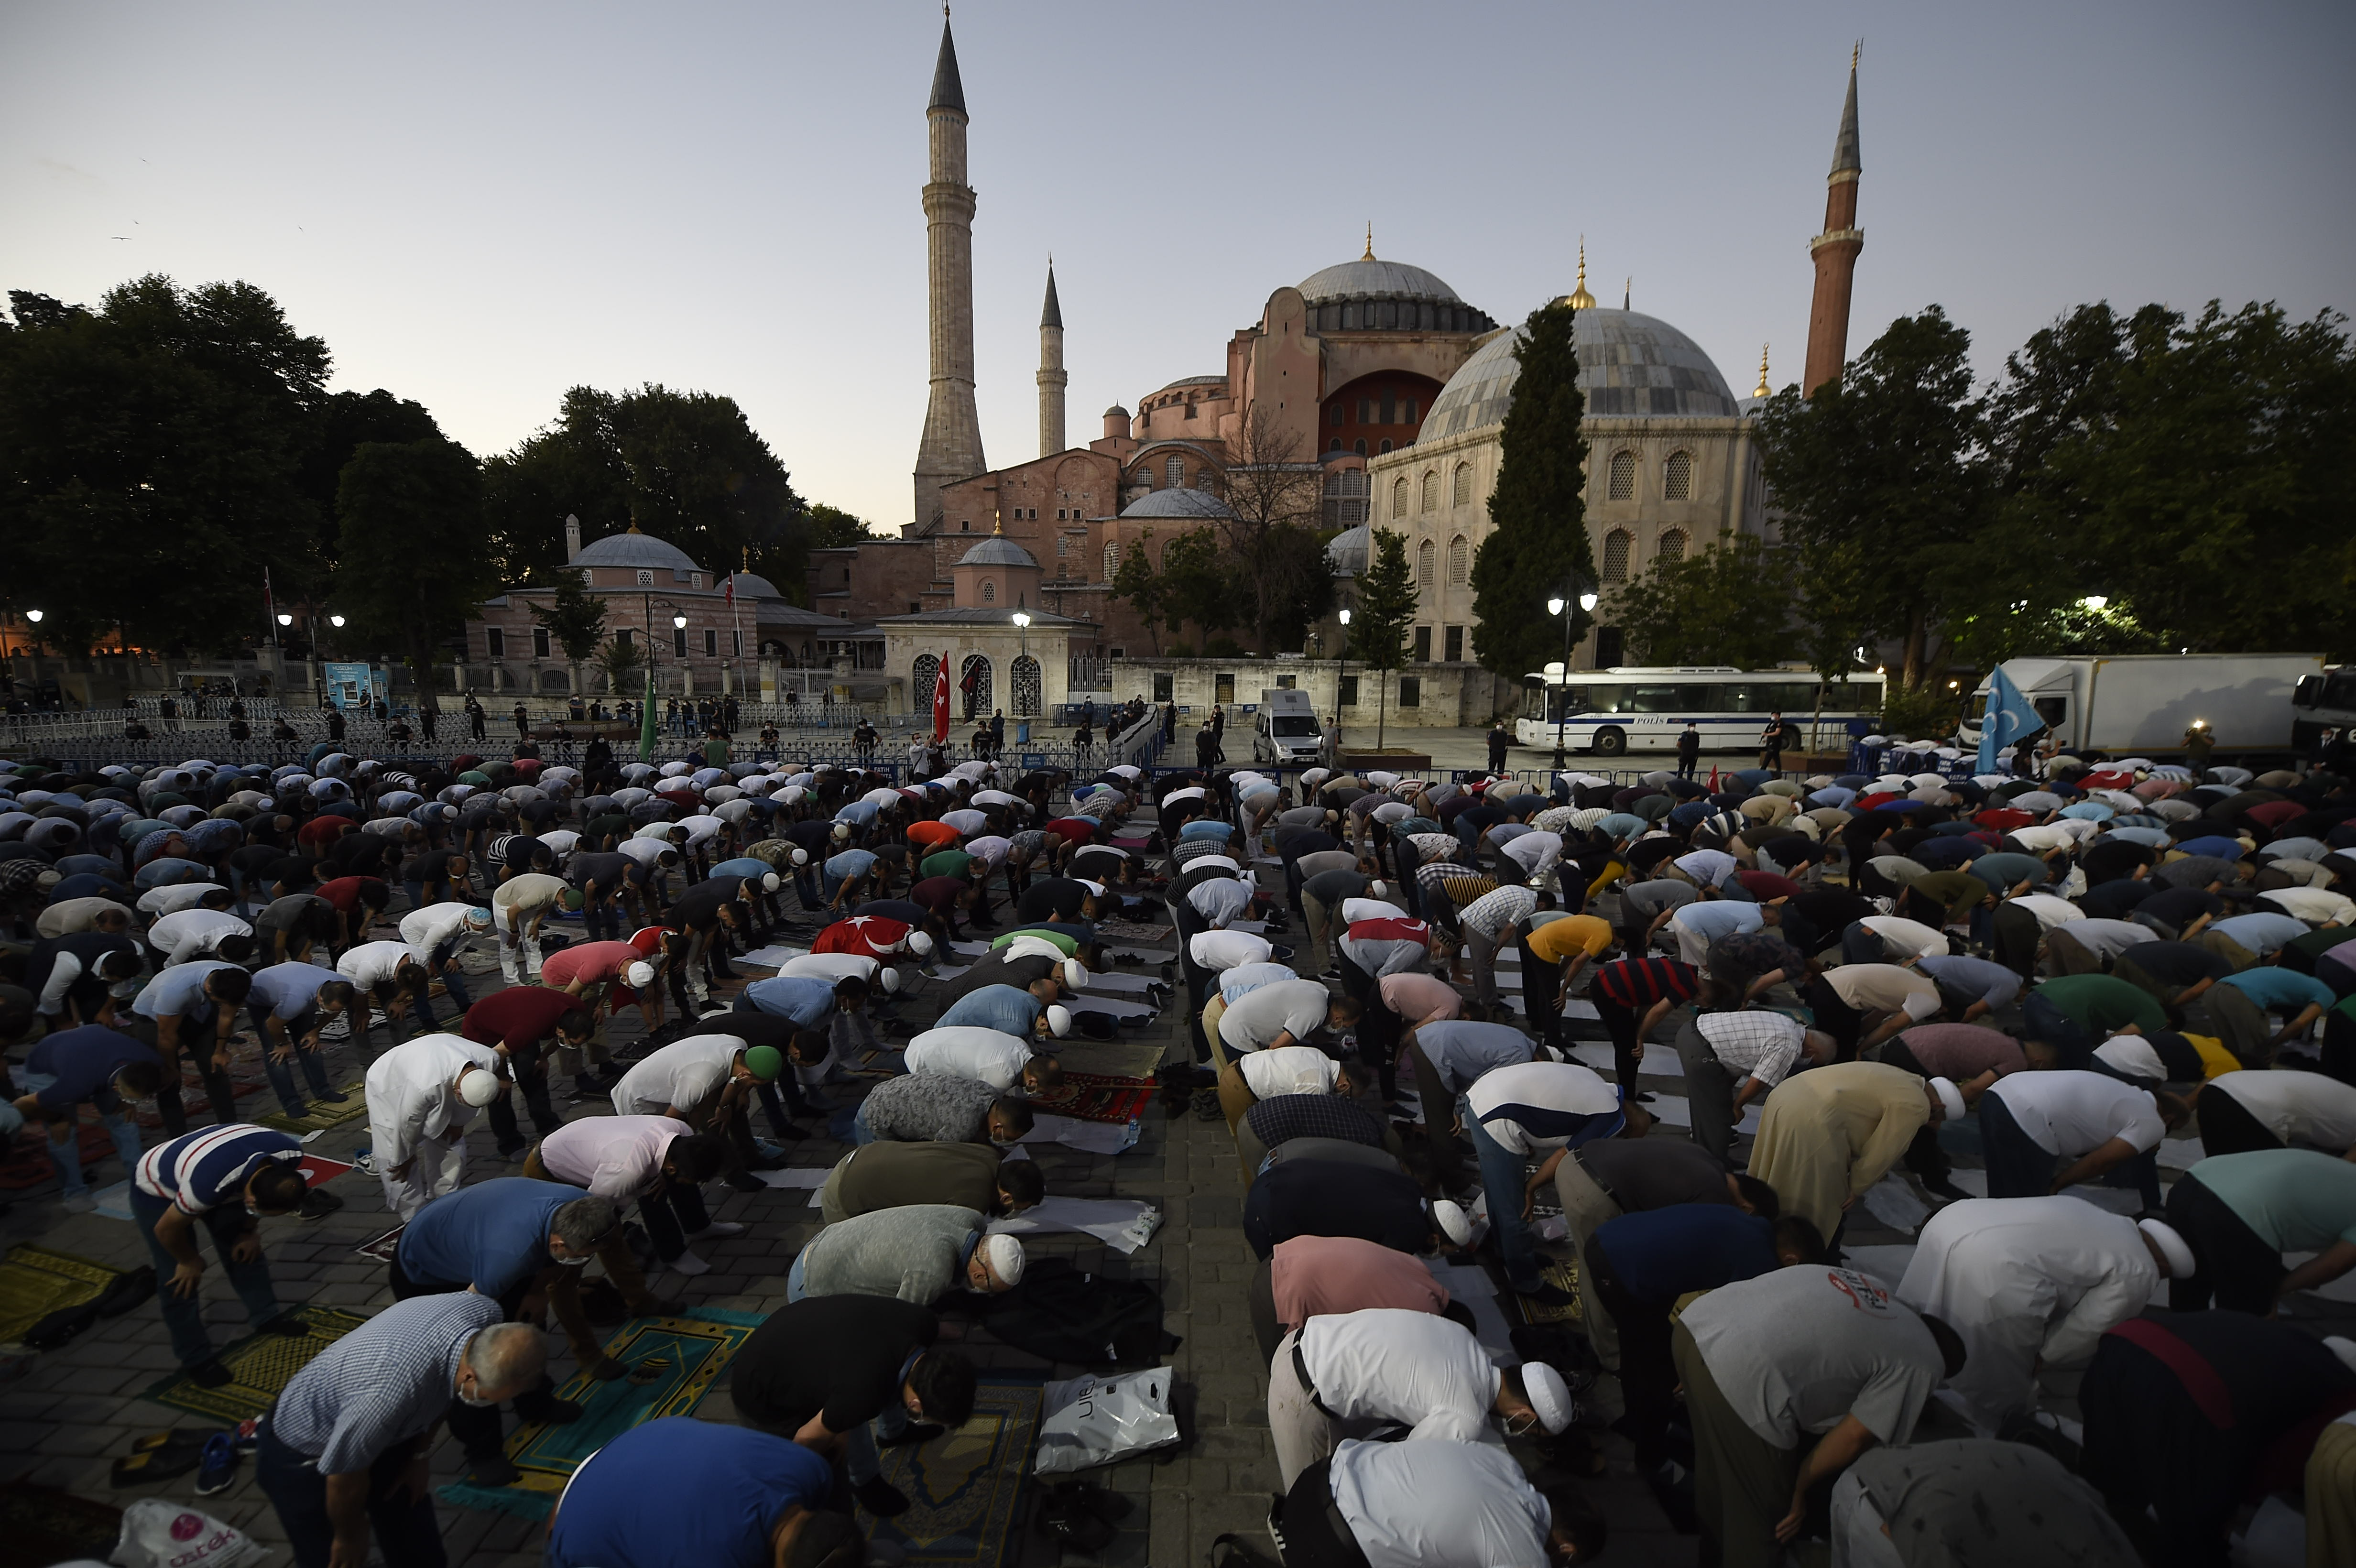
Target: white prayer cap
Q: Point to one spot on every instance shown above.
(890, 980)
(1550, 1396)
(2181, 1264)
(842, 831)
(1095, 889)
(639, 975)
(1453, 1222)
(2343, 1349)
(1076, 974)
(1951, 1098)
(920, 945)
(768, 881)
(478, 919)
(1059, 1022)
(479, 1087)
(801, 856)
(1004, 1256)
(1378, 890)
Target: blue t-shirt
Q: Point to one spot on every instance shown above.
(179, 991)
(1006, 1008)
(1661, 1253)
(1721, 917)
(89, 885)
(807, 1001)
(1206, 829)
(289, 990)
(849, 864)
(2222, 848)
(169, 872)
(84, 1062)
(2261, 934)
(859, 813)
(722, 1489)
(2284, 990)
(492, 1235)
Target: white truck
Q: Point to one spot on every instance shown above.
(1286, 728)
(2142, 704)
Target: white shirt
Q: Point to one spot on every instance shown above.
(1226, 949)
(1390, 1363)
(2069, 1113)
(1246, 978)
(426, 929)
(175, 898)
(1708, 867)
(413, 1097)
(194, 933)
(963, 1050)
(372, 963)
(832, 966)
(1221, 900)
(1290, 1069)
(1423, 1503)
(684, 1073)
(2109, 938)
(1536, 1107)
(2049, 909)
(613, 1157)
(1356, 910)
(2313, 905)
(1909, 935)
(1254, 1020)
(2291, 1104)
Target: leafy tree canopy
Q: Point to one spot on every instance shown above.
(1538, 549)
(1730, 603)
(831, 528)
(574, 618)
(414, 562)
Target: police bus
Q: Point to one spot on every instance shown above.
(1645, 709)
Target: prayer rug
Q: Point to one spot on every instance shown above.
(1128, 931)
(1563, 1272)
(323, 1113)
(35, 1281)
(384, 1246)
(1094, 1097)
(245, 1080)
(260, 1366)
(685, 1356)
(1111, 1058)
(41, 1524)
(27, 1163)
(966, 1488)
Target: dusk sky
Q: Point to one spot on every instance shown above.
(479, 206)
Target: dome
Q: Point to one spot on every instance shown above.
(1198, 505)
(1184, 381)
(997, 550)
(1630, 366)
(1367, 278)
(1347, 551)
(632, 548)
(749, 585)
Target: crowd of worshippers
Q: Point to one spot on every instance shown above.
(2065, 967)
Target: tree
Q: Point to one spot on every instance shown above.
(1885, 482)
(1538, 547)
(831, 528)
(1275, 498)
(1193, 586)
(686, 467)
(345, 421)
(574, 620)
(1142, 585)
(621, 662)
(151, 461)
(1382, 617)
(413, 564)
(1730, 603)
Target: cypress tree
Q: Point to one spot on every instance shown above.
(1537, 548)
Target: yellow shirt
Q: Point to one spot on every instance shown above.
(1559, 939)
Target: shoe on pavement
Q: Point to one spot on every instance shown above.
(718, 1229)
(492, 1470)
(318, 1203)
(881, 1497)
(365, 1162)
(559, 1412)
(218, 1469)
(286, 1323)
(211, 1374)
(690, 1265)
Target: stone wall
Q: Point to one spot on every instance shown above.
(1444, 696)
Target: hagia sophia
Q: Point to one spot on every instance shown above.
(1372, 375)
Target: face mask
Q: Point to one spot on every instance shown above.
(574, 1263)
(476, 1403)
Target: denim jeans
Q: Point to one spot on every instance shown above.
(406, 1529)
(1504, 1175)
(861, 1133)
(65, 1157)
(671, 1216)
(282, 1077)
(452, 983)
(861, 1461)
(184, 1316)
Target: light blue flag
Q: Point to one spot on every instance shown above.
(2009, 716)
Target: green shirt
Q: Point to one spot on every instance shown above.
(1069, 946)
(2104, 1003)
(944, 863)
(2295, 1199)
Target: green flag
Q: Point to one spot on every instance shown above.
(646, 719)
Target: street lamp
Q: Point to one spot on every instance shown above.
(1558, 605)
(33, 616)
(1341, 673)
(285, 619)
(1021, 624)
(336, 622)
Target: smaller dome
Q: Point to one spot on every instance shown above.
(1196, 381)
(632, 548)
(997, 550)
(1200, 505)
(751, 585)
(1115, 412)
(1346, 553)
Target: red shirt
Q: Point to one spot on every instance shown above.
(865, 935)
(932, 833)
(1635, 983)
(520, 1017)
(1766, 885)
(323, 830)
(593, 962)
(1073, 829)
(939, 894)
(344, 893)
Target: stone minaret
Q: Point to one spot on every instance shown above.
(1835, 253)
(952, 449)
(1052, 379)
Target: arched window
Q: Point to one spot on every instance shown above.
(1615, 554)
(1460, 561)
(1461, 493)
(1673, 545)
(1623, 476)
(1361, 446)
(1398, 497)
(1426, 555)
(1431, 498)
(1026, 685)
(920, 682)
(1676, 477)
(1177, 473)
(1345, 498)
(988, 591)
(973, 681)
(1112, 560)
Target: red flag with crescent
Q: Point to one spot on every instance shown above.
(941, 700)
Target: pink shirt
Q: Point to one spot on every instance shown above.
(595, 961)
(1314, 1275)
(613, 1157)
(1964, 1051)
(1420, 999)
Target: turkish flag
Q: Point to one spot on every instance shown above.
(941, 701)
(1713, 778)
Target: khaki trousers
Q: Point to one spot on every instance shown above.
(1742, 1482)
(1303, 1433)
(1586, 1206)
(1234, 1096)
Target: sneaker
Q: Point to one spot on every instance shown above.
(211, 1375)
(318, 1203)
(881, 1497)
(690, 1265)
(287, 1324)
(719, 1229)
(248, 1436)
(495, 1470)
(332, 1097)
(218, 1469)
(364, 1162)
(79, 1203)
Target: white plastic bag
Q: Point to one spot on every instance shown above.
(160, 1533)
(1094, 1421)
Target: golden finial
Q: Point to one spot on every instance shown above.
(998, 519)
(1370, 241)
(1762, 392)
(1855, 49)
(1579, 298)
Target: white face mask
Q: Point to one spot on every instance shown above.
(574, 1263)
(477, 1403)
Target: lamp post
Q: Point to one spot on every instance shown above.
(1561, 606)
(1021, 624)
(1341, 673)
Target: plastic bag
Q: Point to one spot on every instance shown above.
(160, 1533)
(1094, 1421)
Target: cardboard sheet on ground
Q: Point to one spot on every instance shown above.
(1671, 1109)
(1471, 1285)
(811, 1176)
(1115, 981)
(1091, 1137)
(772, 957)
(1892, 1203)
(1123, 1224)
(1112, 1006)
(1111, 1058)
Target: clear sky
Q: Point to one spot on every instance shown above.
(480, 204)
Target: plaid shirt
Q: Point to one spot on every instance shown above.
(1287, 1117)
(384, 1383)
(1454, 883)
(1753, 1044)
(1492, 913)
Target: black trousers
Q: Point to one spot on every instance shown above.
(1310, 1532)
(2235, 1264)
(1262, 1298)
(1541, 984)
(1439, 1110)
(1648, 1368)
(532, 1082)
(2227, 1126)
(1621, 1023)
(405, 1528)
(2150, 1447)
(1835, 1017)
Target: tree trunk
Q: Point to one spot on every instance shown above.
(1382, 706)
(1911, 671)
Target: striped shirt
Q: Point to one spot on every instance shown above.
(384, 1383)
(1537, 1107)
(1638, 983)
(1753, 1044)
(1491, 913)
(200, 1171)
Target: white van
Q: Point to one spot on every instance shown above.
(1286, 729)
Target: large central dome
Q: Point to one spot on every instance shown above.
(1369, 279)
(1630, 367)
(1368, 295)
